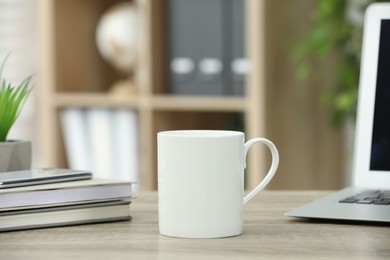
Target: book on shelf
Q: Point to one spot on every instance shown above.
(65, 203)
(125, 145)
(75, 138)
(65, 215)
(103, 140)
(99, 133)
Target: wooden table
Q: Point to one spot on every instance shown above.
(268, 234)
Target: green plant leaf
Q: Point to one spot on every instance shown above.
(12, 100)
(331, 33)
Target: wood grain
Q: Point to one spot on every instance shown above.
(268, 234)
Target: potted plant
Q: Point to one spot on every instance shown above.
(14, 155)
(335, 31)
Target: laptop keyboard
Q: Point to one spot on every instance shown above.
(377, 197)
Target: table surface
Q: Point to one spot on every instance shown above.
(268, 234)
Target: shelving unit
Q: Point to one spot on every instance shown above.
(73, 74)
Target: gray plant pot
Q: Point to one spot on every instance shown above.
(15, 155)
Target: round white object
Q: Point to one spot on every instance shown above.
(116, 36)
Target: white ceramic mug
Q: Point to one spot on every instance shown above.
(201, 182)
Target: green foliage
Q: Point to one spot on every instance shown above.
(12, 100)
(333, 33)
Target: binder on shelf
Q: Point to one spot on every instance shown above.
(206, 56)
(238, 65)
(195, 46)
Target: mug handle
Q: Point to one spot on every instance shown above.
(272, 170)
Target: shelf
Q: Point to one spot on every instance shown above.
(198, 103)
(77, 61)
(159, 102)
(77, 76)
(95, 99)
(73, 74)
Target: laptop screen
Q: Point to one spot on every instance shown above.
(380, 148)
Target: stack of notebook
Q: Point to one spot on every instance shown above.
(64, 203)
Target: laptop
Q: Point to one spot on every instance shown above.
(368, 199)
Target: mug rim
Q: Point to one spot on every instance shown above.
(201, 133)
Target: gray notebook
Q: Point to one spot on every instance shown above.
(65, 215)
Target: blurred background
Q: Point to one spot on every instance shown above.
(110, 74)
